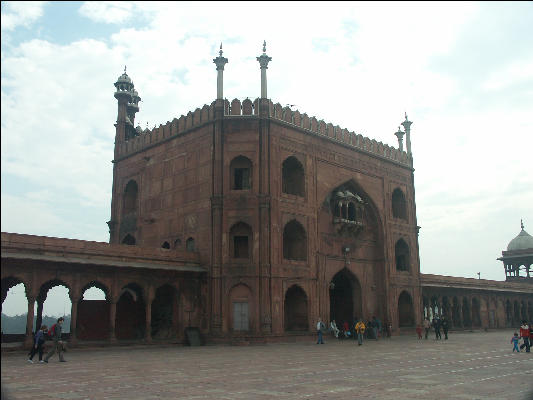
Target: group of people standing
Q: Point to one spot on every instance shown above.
(438, 324)
(370, 330)
(54, 333)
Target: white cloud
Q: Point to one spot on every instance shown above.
(109, 12)
(17, 13)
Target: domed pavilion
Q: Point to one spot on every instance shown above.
(518, 258)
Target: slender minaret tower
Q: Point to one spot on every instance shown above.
(407, 126)
(263, 62)
(220, 62)
(399, 135)
(123, 94)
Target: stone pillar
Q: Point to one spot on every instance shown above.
(112, 320)
(39, 320)
(220, 62)
(407, 126)
(263, 62)
(148, 312)
(399, 134)
(73, 320)
(28, 340)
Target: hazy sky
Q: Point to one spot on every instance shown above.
(462, 71)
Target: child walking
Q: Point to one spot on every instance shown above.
(514, 341)
(38, 344)
(419, 331)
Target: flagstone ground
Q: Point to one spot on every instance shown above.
(477, 365)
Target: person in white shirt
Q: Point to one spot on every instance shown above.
(333, 326)
(319, 327)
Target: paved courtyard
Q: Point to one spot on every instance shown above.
(468, 366)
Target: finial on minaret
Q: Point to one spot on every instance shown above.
(264, 46)
(220, 53)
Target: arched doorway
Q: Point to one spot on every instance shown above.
(163, 307)
(295, 308)
(476, 313)
(130, 320)
(93, 312)
(405, 310)
(344, 298)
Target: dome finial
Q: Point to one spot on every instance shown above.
(124, 69)
(521, 224)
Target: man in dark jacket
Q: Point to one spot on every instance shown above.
(444, 324)
(58, 343)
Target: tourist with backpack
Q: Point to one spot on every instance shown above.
(55, 333)
(38, 344)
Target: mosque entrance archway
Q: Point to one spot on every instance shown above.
(344, 297)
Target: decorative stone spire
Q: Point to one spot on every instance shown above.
(399, 135)
(263, 62)
(220, 61)
(407, 126)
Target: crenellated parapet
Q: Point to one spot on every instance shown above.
(248, 108)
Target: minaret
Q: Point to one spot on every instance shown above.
(407, 126)
(124, 87)
(220, 62)
(133, 105)
(399, 135)
(263, 62)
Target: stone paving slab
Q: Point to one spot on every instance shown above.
(469, 366)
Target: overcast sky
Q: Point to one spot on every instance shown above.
(462, 71)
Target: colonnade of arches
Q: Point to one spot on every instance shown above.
(136, 312)
(478, 311)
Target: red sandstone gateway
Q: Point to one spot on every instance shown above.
(248, 220)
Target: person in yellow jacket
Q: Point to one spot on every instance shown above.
(360, 329)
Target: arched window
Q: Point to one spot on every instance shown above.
(295, 309)
(402, 255)
(189, 244)
(399, 205)
(177, 243)
(294, 241)
(129, 240)
(241, 173)
(130, 198)
(165, 245)
(240, 240)
(293, 177)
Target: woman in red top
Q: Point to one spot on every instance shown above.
(524, 334)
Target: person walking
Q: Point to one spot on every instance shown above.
(56, 331)
(445, 326)
(375, 327)
(436, 326)
(427, 326)
(38, 344)
(524, 334)
(514, 341)
(419, 331)
(360, 330)
(334, 328)
(319, 327)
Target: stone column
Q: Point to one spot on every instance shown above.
(407, 126)
(399, 134)
(112, 320)
(148, 312)
(263, 62)
(220, 62)
(28, 340)
(73, 320)
(39, 320)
